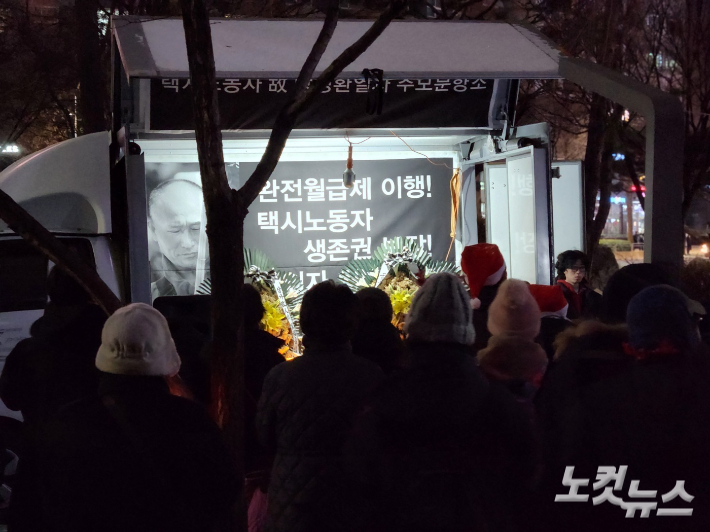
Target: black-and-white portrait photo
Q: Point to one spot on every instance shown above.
(175, 213)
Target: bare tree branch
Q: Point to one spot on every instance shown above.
(319, 47)
(286, 119)
(20, 221)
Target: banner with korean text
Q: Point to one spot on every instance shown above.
(304, 219)
(309, 223)
(255, 103)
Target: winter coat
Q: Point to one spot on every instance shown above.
(583, 304)
(304, 413)
(550, 327)
(85, 473)
(55, 366)
(381, 343)
(654, 418)
(439, 449)
(586, 354)
(261, 356)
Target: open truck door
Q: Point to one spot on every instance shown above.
(513, 199)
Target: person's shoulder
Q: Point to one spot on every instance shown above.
(85, 413)
(21, 348)
(280, 372)
(590, 337)
(162, 287)
(362, 363)
(188, 408)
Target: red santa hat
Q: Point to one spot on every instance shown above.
(483, 265)
(550, 299)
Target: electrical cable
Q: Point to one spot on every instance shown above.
(347, 137)
(453, 237)
(420, 153)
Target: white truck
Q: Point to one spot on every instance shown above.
(452, 102)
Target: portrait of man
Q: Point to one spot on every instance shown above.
(174, 224)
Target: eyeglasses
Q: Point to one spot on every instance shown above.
(578, 269)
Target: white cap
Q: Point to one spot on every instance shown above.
(136, 340)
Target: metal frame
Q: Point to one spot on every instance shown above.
(664, 144)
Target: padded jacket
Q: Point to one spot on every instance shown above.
(439, 449)
(304, 415)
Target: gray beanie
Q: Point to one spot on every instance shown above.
(441, 312)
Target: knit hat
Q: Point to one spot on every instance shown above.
(625, 284)
(136, 340)
(550, 299)
(513, 358)
(514, 311)
(441, 312)
(662, 314)
(483, 265)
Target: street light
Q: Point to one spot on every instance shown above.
(11, 148)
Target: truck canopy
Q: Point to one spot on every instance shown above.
(247, 48)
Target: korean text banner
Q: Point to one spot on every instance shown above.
(254, 104)
(309, 223)
(305, 220)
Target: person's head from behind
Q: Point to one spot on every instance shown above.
(625, 284)
(328, 314)
(572, 266)
(441, 312)
(514, 311)
(252, 306)
(174, 221)
(64, 291)
(136, 341)
(375, 306)
(662, 318)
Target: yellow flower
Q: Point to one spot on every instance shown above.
(273, 316)
(401, 300)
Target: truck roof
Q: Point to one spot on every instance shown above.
(262, 48)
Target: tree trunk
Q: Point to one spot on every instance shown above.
(599, 222)
(227, 209)
(20, 221)
(592, 168)
(631, 169)
(93, 92)
(225, 234)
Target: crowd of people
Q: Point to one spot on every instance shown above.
(502, 406)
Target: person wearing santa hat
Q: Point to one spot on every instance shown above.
(553, 310)
(484, 270)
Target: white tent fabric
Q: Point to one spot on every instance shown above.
(151, 48)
